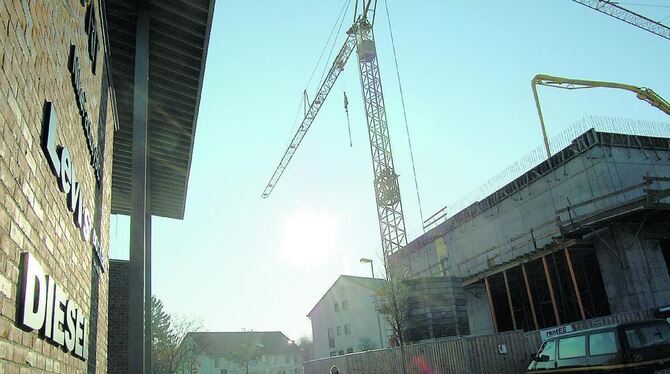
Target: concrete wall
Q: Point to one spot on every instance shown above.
(502, 232)
(633, 268)
(596, 166)
(36, 37)
(360, 315)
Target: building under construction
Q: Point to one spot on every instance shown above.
(584, 233)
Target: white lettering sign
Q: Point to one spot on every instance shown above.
(560, 330)
(62, 167)
(45, 307)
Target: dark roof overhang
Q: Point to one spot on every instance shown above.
(179, 37)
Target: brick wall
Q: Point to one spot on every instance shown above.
(117, 361)
(36, 37)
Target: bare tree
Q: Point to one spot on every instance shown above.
(366, 343)
(176, 343)
(245, 352)
(392, 301)
(306, 347)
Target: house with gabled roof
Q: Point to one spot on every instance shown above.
(345, 319)
(273, 352)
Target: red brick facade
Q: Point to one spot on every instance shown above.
(36, 39)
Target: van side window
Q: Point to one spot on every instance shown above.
(549, 350)
(572, 347)
(602, 343)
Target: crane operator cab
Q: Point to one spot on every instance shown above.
(367, 51)
(634, 347)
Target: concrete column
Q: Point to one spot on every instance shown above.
(138, 216)
(632, 267)
(147, 280)
(478, 307)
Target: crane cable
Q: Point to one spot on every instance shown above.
(338, 26)
(346, 110)
(343, 82)
(340, 20)
(304, 99)
(404, 113)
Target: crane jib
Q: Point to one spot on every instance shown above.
(315, 106)
(387, 191)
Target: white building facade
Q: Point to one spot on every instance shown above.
(277, 353)
(345, 319)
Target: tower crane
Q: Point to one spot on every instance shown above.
(360, 36)
(615, 10)
(642, 93)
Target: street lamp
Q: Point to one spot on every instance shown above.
(372, 267)
(379, 323)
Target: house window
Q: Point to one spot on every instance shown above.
(224, 371)
(345, 305)
(331, 338)
(341, 353)
(333, 354)
(339, 330)
(347, 329)
(216, 362)
(350, 350)
(337, 307)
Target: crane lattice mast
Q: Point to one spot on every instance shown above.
(387, 191)
(617, 11)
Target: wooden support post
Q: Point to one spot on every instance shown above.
(509, 299)
(574, 282)
(493, 309)
(550, 284)
(530, 296)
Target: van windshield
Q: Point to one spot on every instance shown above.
(648, 335)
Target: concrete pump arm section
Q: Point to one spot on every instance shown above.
(642, 93)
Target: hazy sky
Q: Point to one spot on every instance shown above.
(239, 261)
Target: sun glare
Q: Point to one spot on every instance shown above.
(308, 238)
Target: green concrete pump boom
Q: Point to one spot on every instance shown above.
(642, 93)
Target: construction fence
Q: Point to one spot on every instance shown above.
(507, 352)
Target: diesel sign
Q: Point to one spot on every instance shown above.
(45, 307)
